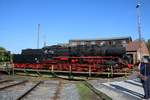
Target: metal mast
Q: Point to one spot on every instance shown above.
(38, 37)
(45, 42)
(138, 7)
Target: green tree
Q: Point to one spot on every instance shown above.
(4, 55)
(2, 49)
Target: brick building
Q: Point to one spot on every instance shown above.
(133, 50)
(102, 41)
(132, 47)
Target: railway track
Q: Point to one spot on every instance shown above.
(12, 90)
(101, 95)
(43, 90)
(57, 93)
(16, 90)
(2, 81)
(28, 91)
(10, 83)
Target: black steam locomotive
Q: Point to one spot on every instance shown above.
(80, 58)
(81, 50)
(48, 52)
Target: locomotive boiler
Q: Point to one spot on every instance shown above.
(81, 50)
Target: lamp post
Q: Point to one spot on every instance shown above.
(138, 6)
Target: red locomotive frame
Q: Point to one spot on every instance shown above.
(67, 64)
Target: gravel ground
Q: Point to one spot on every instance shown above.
(45, 91)
(48, 90)
(51, 89)
(8, 83)
(15, 91)
(69, 92)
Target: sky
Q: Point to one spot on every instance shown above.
(62, 20)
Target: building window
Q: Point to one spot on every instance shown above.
(82, 43)
(124, 42)
(73, 43)
(93, 43)
(102, 43)
(114, 42)
(110, 42)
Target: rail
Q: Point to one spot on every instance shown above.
(28, 91)
(97, 92)
(5, 81)
(13, 85)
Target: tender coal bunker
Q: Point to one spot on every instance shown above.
(29, 56)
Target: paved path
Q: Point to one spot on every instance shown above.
(121, 90)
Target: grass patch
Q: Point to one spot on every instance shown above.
(84, 92)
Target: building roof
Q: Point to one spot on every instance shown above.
(103, 39)
(134, 46)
